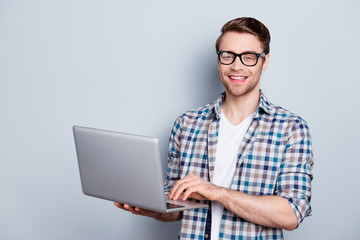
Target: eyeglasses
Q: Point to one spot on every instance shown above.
(248, 59)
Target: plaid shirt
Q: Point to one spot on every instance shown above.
(275, 158)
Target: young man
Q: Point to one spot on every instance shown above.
(249, 159)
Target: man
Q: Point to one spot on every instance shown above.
(249, 159)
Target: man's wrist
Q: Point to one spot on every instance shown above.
(223, 193)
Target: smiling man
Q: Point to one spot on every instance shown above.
(249, 159)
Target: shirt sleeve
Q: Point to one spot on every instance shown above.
(173, 171)
(294, 181)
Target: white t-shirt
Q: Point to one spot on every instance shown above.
(227, 150)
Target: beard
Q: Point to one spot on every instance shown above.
(239, 91)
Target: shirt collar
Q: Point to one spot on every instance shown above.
(264, 106)
(217, 105)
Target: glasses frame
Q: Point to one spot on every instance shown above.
(240, 55)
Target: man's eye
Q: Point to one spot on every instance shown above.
(227, 56)
(249, 57)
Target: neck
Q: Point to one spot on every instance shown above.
(238, 108)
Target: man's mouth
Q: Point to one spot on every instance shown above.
(238, 78)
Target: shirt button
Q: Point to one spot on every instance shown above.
(206, 235)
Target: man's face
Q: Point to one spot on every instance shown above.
(238, 79)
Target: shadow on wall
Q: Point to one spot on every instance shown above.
(207, 83)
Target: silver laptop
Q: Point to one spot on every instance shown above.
(124, 168)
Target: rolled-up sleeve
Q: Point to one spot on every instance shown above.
(294, 181)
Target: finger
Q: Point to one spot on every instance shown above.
(184, 179)
(182, 185)
(176, 187)
(148, 213)
(184, 188)
(197, 196)
(194, 193)
(131, 209)
(173, 190)
(126, 207)
(135, 210)
(191, 190)
(119, 205)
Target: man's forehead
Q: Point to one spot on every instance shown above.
(240, 42)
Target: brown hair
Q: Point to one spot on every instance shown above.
(247, 25)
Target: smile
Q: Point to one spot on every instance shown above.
(237, 78)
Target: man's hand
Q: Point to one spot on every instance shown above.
(137, 211)
(194, 187)
(164, 217)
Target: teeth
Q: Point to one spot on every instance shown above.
(237, 78)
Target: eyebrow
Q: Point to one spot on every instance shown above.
(241, 52)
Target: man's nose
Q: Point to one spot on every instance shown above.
(237, 64)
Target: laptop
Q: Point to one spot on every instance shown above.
(124, 168)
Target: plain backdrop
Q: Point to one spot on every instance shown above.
(134, 66)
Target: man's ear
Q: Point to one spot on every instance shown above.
(265, 62)
(218, 64)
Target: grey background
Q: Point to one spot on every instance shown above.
(134, 66)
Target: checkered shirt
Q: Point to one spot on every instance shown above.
(275, 158)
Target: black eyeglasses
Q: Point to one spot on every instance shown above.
(248, 59)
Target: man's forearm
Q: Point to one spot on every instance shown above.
(270, 211)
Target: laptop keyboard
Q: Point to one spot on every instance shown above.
(172, 206)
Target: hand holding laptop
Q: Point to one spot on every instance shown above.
(164, 217)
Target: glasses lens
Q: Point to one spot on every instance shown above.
(249, 59)
(226, 57)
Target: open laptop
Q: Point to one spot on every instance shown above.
(124, 168)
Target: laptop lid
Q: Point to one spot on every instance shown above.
(124, 168)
